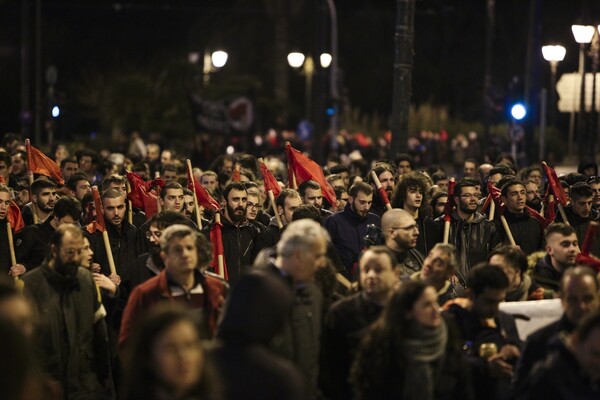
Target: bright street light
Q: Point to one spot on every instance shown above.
(583, 33)
(325, 59)
(518, 111)
(295, 59)
(219, 58)
(554, 53)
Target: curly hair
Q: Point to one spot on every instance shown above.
(410, 181)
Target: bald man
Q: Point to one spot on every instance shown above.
(401, 231)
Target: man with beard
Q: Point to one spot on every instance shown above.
(410, 195)
(527, 231)
(189, 208)
(72, 340)
(148, 265)
(401, 232)
(121, 234)
(348, 228)
(79, 185)
(5, 199)
(32, 244)
(385, 174)
(533, 198)
(43, 198)
(312, 194)
(470, 232)
(119, 182)
(241, 240)
(562, 247)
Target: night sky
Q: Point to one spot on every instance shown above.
(91, 36)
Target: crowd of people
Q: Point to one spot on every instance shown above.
(392, 290)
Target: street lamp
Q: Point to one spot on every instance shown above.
(554, 55)
(583, 34)
(296, 60)
(212, 62)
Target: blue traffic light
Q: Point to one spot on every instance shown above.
(55, 111)
(518, 111)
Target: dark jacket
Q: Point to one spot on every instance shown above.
(241, 245)
(344, 327)
(5, 262)
(125, 247)
(561, 377)
(140, 271)
(73, 342)
(474, 240)
(539, 344)
(545, 275)
(299, 340)
(581, 226)
(32, 244)
(474, 332)
(409, 262)
(526, 230)
(429, 234)
(255, 312)
(382, 375)
(348, 230)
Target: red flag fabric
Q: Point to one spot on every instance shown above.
(550, 213)
(304, 169)
(236, 176)
(555, 186)
(142, 195)
(495, 194)
(39, 163)
(204, 198)
(270, 181)
(450, 202)
(383, 196)
(14, 217)
(99, 224)
(538, 216)
(586, 259)
(218, 250)
(590, 235)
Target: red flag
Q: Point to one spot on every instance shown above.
(450, 202)
(270, 181)
(39, 163)
(557, 190)
(14, 217)
(586, 259)
(204, 198)
(538, 216)
(495, 194)
(304, 169)
(236, 176)
(383, 196)
(142, 195)
(218, 250)
(550, 213)
(99, 224)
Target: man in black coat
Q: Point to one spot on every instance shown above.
(579, 297)
(525, 229)
(348, 319)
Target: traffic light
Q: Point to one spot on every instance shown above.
(518, 111)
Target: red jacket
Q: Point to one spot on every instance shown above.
(156, 290)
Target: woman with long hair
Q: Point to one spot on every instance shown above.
(166, 359)
(410, 352)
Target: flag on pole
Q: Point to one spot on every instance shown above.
(142, 195)
(216, 239)
(98, 225)
(39, 163)
(449, 206)
(554, 184)
(204, 198)
(270, 181)
(303, 169)
(14, 217)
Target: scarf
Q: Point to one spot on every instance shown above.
(423, 350)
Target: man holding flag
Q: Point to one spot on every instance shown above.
(385, 174)
(43, 199)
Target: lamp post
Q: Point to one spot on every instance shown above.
(583, 34)
(212, 62)
(554, 55)
(297, 60)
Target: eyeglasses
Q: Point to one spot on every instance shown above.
(156, 234)
(255, 206)
(406, 228)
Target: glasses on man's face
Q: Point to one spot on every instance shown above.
(255, 206)
(156, 234)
